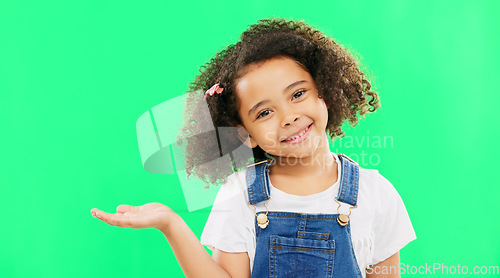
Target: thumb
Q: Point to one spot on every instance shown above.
(125, 208)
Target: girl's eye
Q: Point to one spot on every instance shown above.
(262, 114)
(300, 93)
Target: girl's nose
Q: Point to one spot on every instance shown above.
(289, 119)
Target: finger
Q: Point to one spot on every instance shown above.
(126, 208)
(100, 214)
(116, 219)
(122, 208)
(97, 213)
(122, 220)
(94, 211)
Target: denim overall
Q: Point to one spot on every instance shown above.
(300, 244)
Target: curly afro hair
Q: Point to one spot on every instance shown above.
(340, 83)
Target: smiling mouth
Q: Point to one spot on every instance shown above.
(298, 135)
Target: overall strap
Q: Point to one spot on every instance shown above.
(349, 180)
(257, 185)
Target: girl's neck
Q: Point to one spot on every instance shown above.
(319, 163)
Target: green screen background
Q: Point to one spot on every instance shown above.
(76, 75)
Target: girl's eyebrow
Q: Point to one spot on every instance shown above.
(266, 100)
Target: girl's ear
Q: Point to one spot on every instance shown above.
(245, 138)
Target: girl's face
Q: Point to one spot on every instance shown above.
(279, 100)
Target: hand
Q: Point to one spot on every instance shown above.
(151, 215)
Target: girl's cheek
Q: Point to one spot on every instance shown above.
(269, 136)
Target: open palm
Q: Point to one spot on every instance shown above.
(150, 215)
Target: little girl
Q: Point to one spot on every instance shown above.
(295, 209)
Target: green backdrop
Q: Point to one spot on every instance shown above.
(75, 76)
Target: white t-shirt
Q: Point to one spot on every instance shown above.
(380, 225)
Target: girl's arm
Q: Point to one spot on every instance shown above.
(192, 257)
(386, 269)
(236, 264)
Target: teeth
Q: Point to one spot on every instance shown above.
(297, 136)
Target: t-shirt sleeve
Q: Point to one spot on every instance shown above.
(226, 228)
(392, 229)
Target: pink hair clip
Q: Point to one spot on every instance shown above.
(215, 89)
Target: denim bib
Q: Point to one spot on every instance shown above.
(299, 244)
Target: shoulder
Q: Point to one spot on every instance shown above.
(375, 188)
(233, 188)
(373, 178)
(390, 224)
(370, 179)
